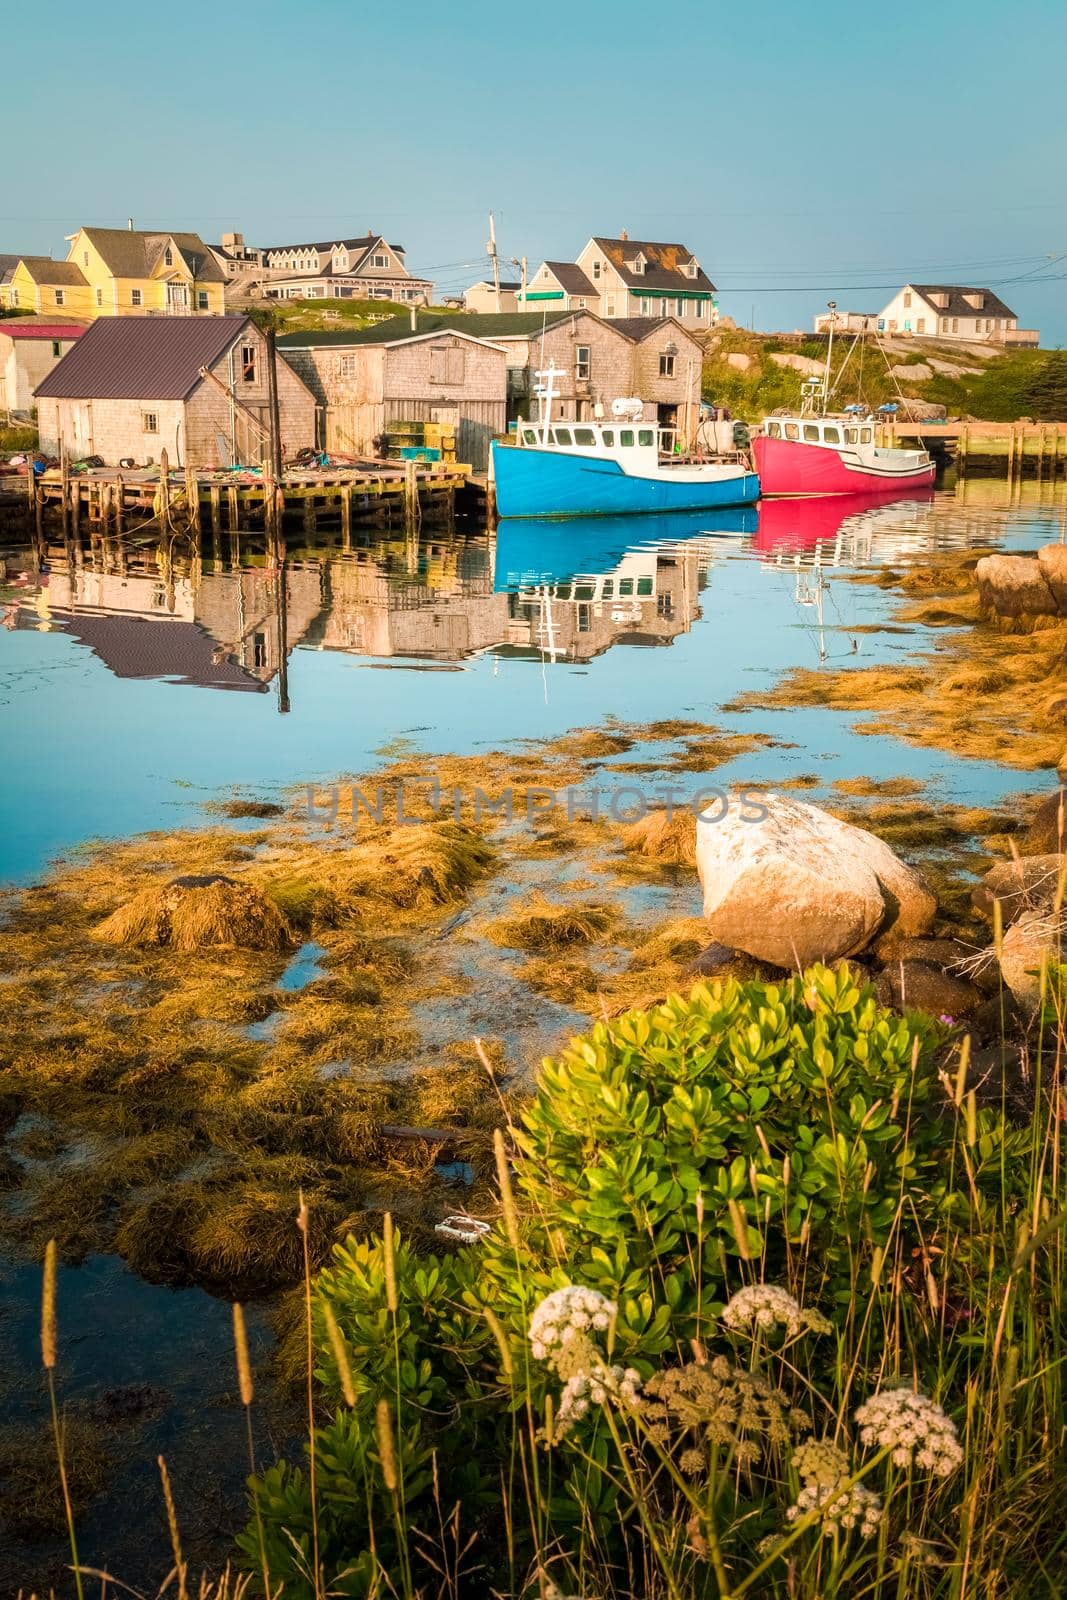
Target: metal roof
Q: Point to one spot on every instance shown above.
(488, 325)
(141, 358)
(40, 328)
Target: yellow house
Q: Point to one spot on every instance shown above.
(40, 284)
(117, 272)
(130, 273)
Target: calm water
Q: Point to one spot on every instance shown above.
(133, 690)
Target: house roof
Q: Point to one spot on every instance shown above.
(571, 278)
(129, 253)
(958, 306)
(665, 268)
(149, 647)
(638, 328)
(364, 244)
(141, 358)
(42, 269)
(488, 325)
(40, 328)
(487, 283)
(7, 266)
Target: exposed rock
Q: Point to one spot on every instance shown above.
(895, 946)
(803, 886)
(1025, 885)
(1031, 941)
(911, 410)
(918, 986)
(738, 359)
(722, 961)
(1014, 586)
(1052, 559)
(805, 364)
(1047, 833)
(917, 372)
(952, 369)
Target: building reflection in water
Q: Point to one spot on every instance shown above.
(223, 617)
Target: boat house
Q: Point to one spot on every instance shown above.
(196, 387)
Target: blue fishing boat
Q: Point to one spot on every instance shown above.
(596, 469)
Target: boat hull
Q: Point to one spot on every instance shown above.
(533, 550)
(787, 467)
(550, 483)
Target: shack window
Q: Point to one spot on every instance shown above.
(563, 436)
(582, 363)
(626, 438)
(136, 297)
(792, 431)
(644, 588)
(626, 588)
(666, 366)
(248, 363)
(584, 591)
(529, 436)
(585, 619)
(774, 430)
(608, 437)
(832, 435)
(865, 436)
(646, 437)
(584, 436)
(447, 365)
(149, 422)
(811, 433)
(347, 366)
(57, 348)
(607, 589)
(259, 650)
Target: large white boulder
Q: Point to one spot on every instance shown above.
(802, 886)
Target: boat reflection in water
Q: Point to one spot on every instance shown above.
(850, 527)
(577, 588)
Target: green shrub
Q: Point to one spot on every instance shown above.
(790, 1132)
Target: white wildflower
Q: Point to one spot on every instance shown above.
(914, 1430)
(595, 1388)
(567, 1314)
(769, 1306)
(843, 1508)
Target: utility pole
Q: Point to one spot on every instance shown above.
(491, 251)
(520, 262)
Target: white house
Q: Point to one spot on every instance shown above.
(946, 311)
(627, 277)
(482, 296)
(368, 268)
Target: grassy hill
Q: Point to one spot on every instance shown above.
(302, 316)
(1001, 387)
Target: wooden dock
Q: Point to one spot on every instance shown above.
(110, 501)
(1036, 449)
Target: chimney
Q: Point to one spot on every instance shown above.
(624, 235)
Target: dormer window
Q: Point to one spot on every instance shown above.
(692, 269)
(639, 264)
(168, 257)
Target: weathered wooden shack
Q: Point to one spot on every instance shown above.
(367, 379)
(29, 348)
(196, 387)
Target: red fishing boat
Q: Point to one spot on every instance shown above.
(821, 452)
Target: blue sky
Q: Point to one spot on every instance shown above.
(803, 151)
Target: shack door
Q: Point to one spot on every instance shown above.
(80, 438)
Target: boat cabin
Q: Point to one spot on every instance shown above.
(809, 430)
(623, 442)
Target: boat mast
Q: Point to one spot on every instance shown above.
(831, 306)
